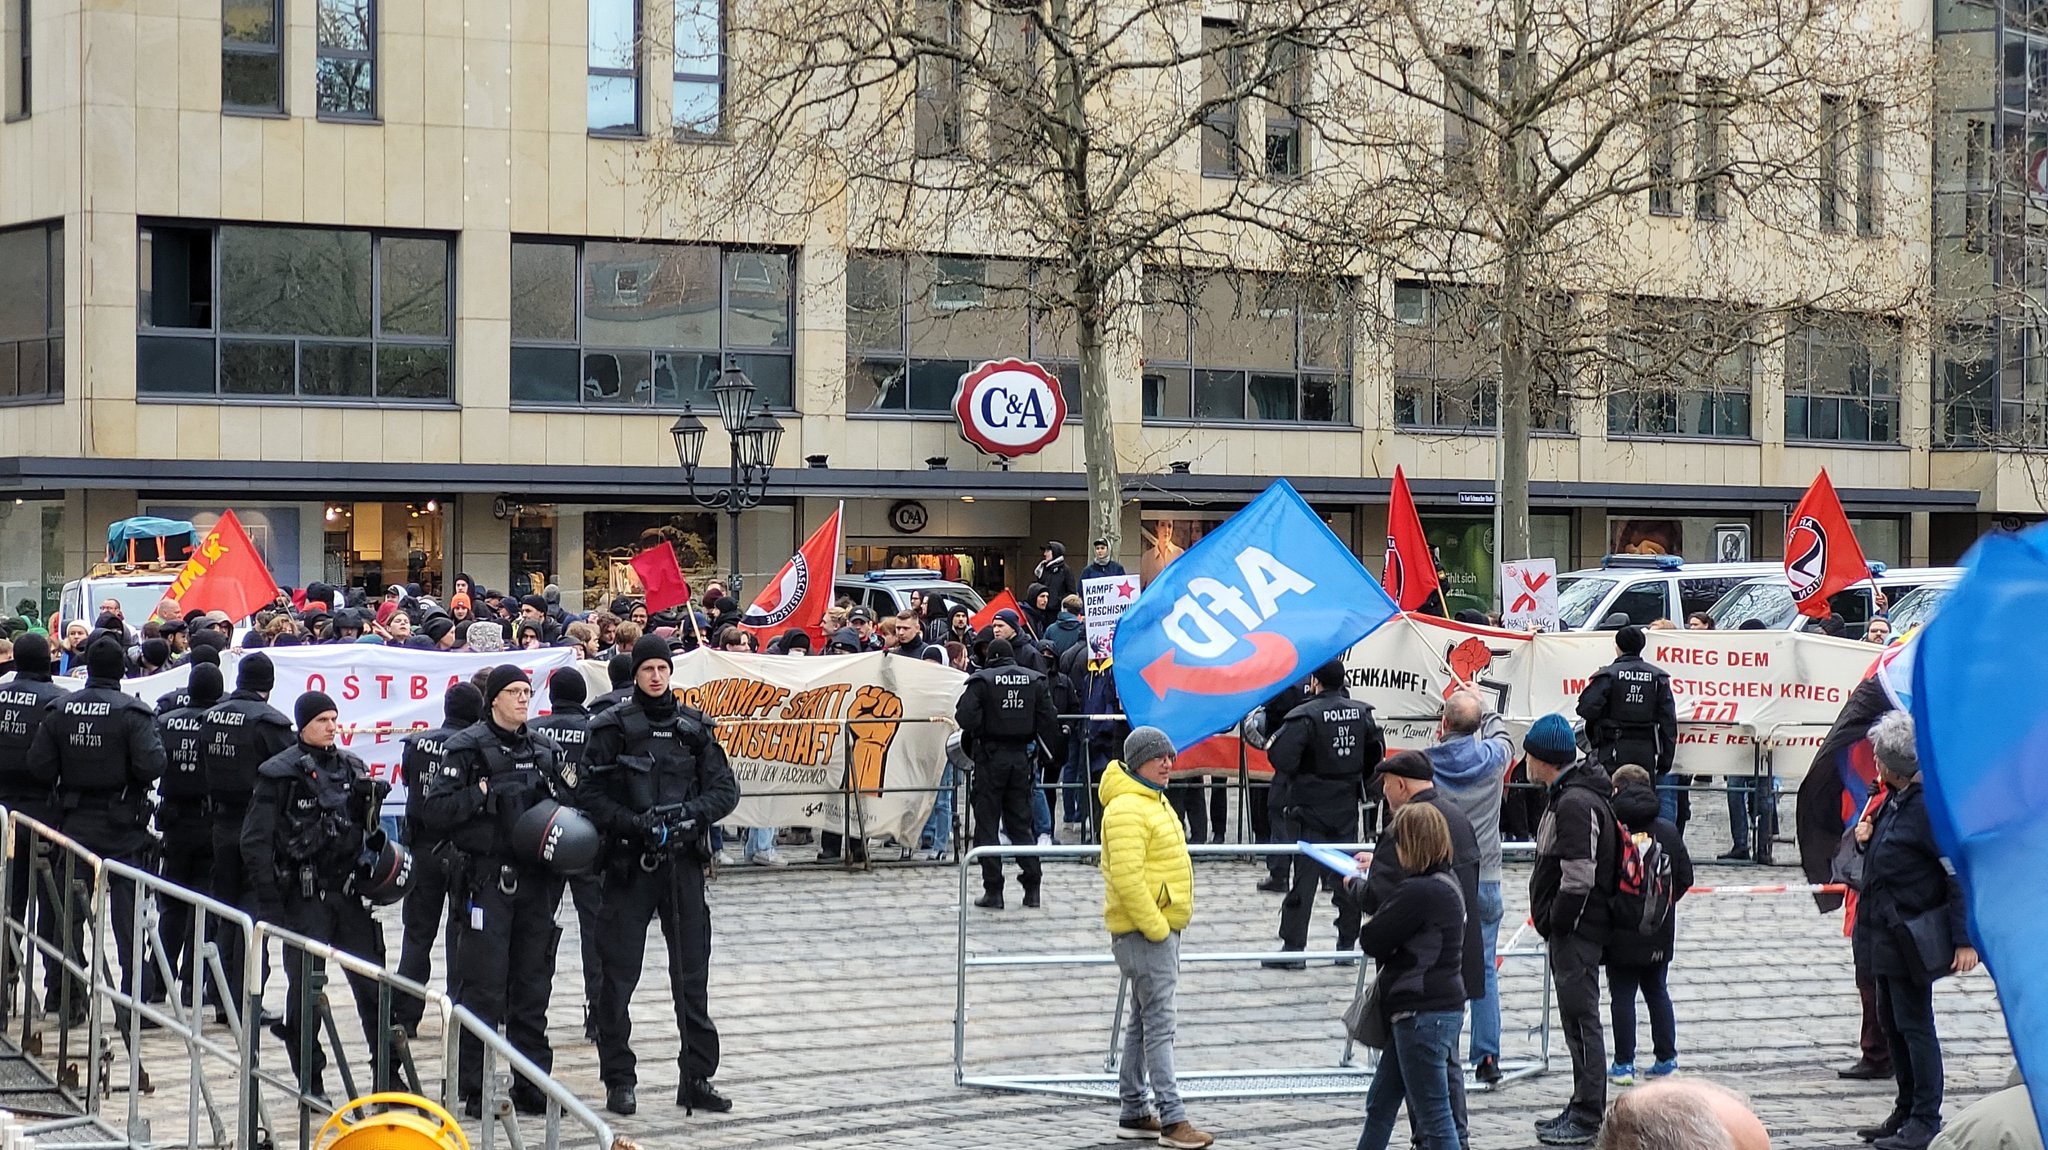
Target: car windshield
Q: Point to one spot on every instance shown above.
(1916, 608)
(1577, 598)
(951, 597)
(138, 597)
(1767, 599)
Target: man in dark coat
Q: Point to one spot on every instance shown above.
(1326, 750)
(1912, 929)
(1053, 575)
(1631, 715)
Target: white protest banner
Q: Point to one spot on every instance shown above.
(1734, 689)
(1528, 594)
(1103, 601)
(797, 729)
(381, 694)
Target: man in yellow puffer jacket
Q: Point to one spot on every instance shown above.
(1148, 894)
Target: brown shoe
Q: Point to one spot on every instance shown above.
(1183, 1136)
(1144, 1126)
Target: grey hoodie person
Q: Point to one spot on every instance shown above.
(1471, 771)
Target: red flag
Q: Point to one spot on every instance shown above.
(225, 574)
(802, 590)
(1002, 602)
(1821, 555)
(661, 577)
(1410, 571)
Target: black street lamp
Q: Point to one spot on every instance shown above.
(754, 434)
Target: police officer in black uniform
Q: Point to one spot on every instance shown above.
(24, 702)
(242, 732)
(98, 747)
(1003, 714)
(1325, 751)
(569, 723)
(619, 669)
(178, 697)
(504, 968)
(1631, 716)
(1269, 803)
(433, 857)
(183, 821)
(655, 781)
(303, 844)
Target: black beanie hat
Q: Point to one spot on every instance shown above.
(1000, 649)
(534, 601)
(502, 676)
(1331, 674)
(437, 628)
(255, 673)
(1629, 640)
(796, 639)
(32, 655)
(649, 648)
(209, 655)
(310, 706)
(619, 669)
(566, 688)
(206, 685)
(727, 606)
(463, 705)
(105, 660)
(211, 640)
(156, 652)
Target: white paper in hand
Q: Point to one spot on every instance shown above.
(1336, 860)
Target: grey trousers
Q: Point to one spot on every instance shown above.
(1153, 969)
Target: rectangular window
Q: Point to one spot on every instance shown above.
(1461, 105)
(1287, 95)
(1677, 367)
(699, 108)
(32, 314)
(1259, 348)
(1446, 345)
(1015, 92)
(916, 324)
(233, 311)
(1662, 145)
(1710, 151)
(1833, 135)
(2022, 385)
(252, 56)
(614, 64)
(1976, 183)
(15, 43)
(1966, 386)
(1869, 165)
(605, 324)
(938, 80)
(1842, 379)
(346, 83)
(1222, 75)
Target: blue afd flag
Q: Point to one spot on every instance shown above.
(1257, 604)
(1983, 738)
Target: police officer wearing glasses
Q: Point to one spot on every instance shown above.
(655, 780)
(492, 774)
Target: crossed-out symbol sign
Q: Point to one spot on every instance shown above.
(1532, 581)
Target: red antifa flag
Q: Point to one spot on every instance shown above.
(802, 590)
(1821, 555)
(225, 574)
(1002, 602)
(661, 577)
(1410, 572)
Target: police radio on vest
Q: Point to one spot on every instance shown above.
(1197, 624)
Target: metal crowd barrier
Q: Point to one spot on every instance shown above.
(64, 1087)
(1345, 1076)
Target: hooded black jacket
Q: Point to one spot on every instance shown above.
(1418, 936)
(1576, 848)
(1636, 807)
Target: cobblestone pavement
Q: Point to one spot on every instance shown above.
(834, 995)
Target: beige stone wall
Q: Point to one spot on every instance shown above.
(482, 134)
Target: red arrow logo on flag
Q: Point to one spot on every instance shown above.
(1273, 658)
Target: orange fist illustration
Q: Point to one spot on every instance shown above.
(871, 722)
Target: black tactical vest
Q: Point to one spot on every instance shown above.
(1012, 709)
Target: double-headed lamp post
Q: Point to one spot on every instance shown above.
(755, 435)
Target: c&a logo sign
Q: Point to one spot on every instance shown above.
(1010, 407)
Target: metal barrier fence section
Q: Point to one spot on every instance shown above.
(1343, 1074)
(154, 976)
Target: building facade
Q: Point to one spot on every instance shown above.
(394, 282)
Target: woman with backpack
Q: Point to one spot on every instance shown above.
(1418, 936)
(1640, 961)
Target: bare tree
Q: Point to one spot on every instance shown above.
(1614, 198)
(1089, 141)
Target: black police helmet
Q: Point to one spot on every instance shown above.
(559, 838)
(388, 877)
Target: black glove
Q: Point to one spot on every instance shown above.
(653, 830)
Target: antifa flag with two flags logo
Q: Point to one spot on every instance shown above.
(799, 593)
(1410, 571)
(1821, 554)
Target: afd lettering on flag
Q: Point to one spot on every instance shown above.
(1257, 604)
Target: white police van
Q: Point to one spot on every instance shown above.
(1769, 599)
(1645, 588)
